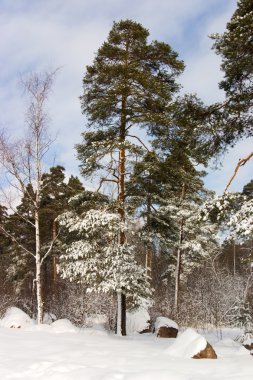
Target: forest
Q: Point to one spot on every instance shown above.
(149, 234)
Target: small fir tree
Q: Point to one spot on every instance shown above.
(93, 254)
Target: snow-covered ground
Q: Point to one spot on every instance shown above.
(50, 353)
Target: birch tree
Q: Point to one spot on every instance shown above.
(21, 163)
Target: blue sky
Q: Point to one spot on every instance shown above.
(41, 34)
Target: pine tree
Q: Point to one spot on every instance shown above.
(20, 272)
(167, 178)
(74, 187)
(130, 85)
(248, 189)
(167, 191)
(182, 146)
(235, 46)
(4, 242)
(54, 201)
(196, 241)
(149, 188)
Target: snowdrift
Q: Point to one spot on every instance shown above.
(63, 326)
(137, 321)
(16, 318)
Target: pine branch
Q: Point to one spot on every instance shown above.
(105, 180)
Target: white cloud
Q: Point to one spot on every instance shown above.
(203, 73)
(66, 33)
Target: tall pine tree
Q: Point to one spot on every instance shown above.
(129, 86)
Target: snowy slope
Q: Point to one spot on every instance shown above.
(43, 353)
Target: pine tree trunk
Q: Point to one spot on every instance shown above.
(121, 317)
(149, 252)
(123, 313)
(179, 257)
(178, 269)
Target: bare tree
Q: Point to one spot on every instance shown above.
(22, 161)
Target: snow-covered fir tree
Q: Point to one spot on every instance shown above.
(94, 256)
(233, 212)
(194, 241)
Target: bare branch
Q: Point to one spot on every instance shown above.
(240, 164)
(105, 180)
(218, 106)
(14, 209)
(11, 159)
(9, 235)
(50, 248)
(142, 143)
(153, 208)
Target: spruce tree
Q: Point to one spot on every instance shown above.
(129, 86)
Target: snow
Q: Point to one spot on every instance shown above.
(137, 321)
(96, 321)
(16, 318)
(228, 346)
(48, 318)
(63, 326)
(39, 352)
(188, 344)
(163, 321)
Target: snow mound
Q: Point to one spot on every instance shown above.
(188, 344)
(16, 318)
(63, 326)
(166, 322)
(137, 321)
